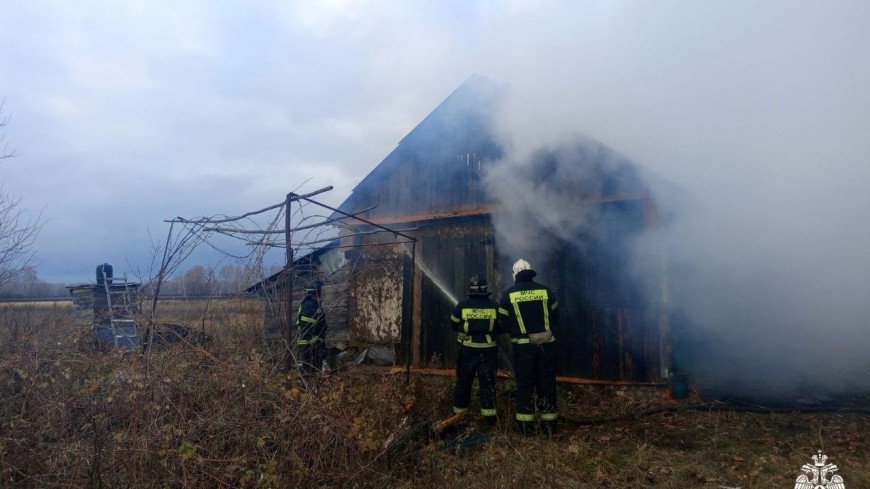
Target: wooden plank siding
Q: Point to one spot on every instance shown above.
(451, 251)
(608, 331)
(431, 186)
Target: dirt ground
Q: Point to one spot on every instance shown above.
(628, 438)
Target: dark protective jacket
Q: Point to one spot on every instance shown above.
(310, 320)
(528, 307)
(477, 317)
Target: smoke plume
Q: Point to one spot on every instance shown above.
(764, 251)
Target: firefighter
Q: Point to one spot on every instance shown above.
(311, 329)
(529, 310)
(475, 320)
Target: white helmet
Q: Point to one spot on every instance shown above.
(519, 266)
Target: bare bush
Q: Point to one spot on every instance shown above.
(17, 230)
(224, 415)
(191, 417)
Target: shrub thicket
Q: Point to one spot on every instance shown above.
(225, 415)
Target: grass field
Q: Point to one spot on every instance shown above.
(226, 415)
(227, 320)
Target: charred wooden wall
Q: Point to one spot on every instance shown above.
(450, 252)
(610, 327)
(455, 187)
(610, 330)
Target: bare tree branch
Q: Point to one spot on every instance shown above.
(203, 220)
(17, 231)
(4, 121)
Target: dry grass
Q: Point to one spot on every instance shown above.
(225, 416)
(235, 322)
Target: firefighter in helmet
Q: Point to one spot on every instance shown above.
(475, 320)
(529, 311)
(311, 329)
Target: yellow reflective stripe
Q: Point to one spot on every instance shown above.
(525, 417)
(459, 410)
(554, 305)
(469, 342)
(487, 412)
(454, 318)
(526, 341)
(307, 319)
(313, 339)
(519, 316)
(502, 311)
(549, 416)
(546, 317)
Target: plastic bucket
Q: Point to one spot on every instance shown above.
(679, 383)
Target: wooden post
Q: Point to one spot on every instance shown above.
(416, 311)
(290, 326)
(406, 335)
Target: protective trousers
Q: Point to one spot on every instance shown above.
(311, 357)
(534, 367)
(482, 362)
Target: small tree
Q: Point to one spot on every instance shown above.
(17, 232)
(197, 281)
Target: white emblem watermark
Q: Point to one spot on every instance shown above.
(816, 475)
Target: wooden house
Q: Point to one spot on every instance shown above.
(435, 186)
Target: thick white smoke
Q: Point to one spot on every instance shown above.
(764, 240)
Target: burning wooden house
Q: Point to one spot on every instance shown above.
(573, 210)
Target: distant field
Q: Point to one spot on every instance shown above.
(231, 320)
(165, 306)
(36, 303)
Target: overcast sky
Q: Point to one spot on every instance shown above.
(125, 114)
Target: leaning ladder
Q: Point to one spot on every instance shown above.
(110, 307)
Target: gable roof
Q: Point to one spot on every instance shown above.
(435, 169)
